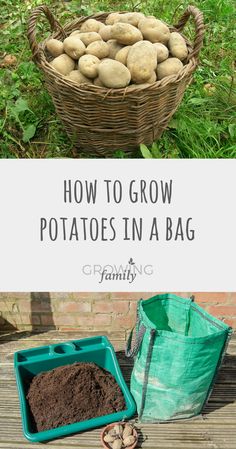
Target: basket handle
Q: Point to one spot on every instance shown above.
(199, 28)
(31, 33)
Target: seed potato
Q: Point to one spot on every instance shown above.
(169, 67)
(118, 429)
(74, 33)
(108, 438)
(97, 82)
(102, 25)
(115, 75)
(152, 78)
(112, 432)
(122, 54)
(162, 52)
(154, 30)
(63, 64)
(88, 66)
(110, 20)
(128, 441)
(128, 430)
(114, 47)
(177, 46)
(125, 33)
(88, 38)
(132, 18)
(55, 47)
(78, 77)
(117, 444)
(99, 49)
(105, 32)
(90, 25)
(74, 47)
(142, 61)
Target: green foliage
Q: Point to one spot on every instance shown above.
(204, 125)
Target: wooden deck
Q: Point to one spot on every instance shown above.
(215, 429)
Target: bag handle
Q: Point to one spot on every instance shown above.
(31, 33)
(133, 351)
(197, 16)
(146, 372)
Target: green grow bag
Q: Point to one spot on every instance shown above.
(178, 350)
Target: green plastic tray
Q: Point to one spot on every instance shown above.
(30, 362)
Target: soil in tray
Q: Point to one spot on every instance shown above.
(73, 393)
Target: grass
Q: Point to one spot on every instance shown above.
(203, 127)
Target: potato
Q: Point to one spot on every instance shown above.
(132, 18)
(88, 65)
(110, 20)
(128, 430)
(142, 61)
(117, 444)
(90, 25)
(74, 47)
(169, 67)
(99, 49)
(105, 33)
(122, 54)
(74, 33)
(112, 432)
(97, 82)
(128, 441)
(55, 47)
(118, 429)
(102, 25)
(63, 64)
(177, 46)
(152, 78)
(88, 38)
(154, 30)
(113, 74)
(162, 52)
(125, 33)
(78, 77)
(108, 438)
(114, 47)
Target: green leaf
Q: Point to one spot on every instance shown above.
(21, 105)
(173, 124)
(145, 151)
(197, 101)
(29, 132)
(232, 130)
(155, 150)
(119, 154)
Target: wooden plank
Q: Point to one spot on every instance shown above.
(59, 336)
(158, 436)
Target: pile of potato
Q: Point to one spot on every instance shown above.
(120, 436)
(128, 49)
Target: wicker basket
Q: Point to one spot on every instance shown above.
(100, 120)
